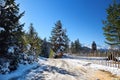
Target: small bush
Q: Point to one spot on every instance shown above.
(4, 68)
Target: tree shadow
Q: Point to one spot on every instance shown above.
(54, 69)
(39, 70)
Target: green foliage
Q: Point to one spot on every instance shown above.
(94, 46)
(67, 40)
(72, 47)
(76, 46)
(112, 24)
(9, 21)
(11, 35)
(51, 53)
(59, 39)
(45, 49)
(32, 38)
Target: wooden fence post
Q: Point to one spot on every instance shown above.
(116, 62)
(106, 57)
(113, 56)
(118, 59)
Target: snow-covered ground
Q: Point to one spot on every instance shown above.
(69, 68)
(22, 69)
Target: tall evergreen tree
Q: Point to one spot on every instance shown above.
(58, 38)
(72, 47)
(33, 40)
(10, 32)
(12, 29)
(112, 24)
(94, 46)
(45, 49)
(76, 46)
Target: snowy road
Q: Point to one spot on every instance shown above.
(63, 69)
(66, 69)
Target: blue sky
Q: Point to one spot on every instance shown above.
(81, 18)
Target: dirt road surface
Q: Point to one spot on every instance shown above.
(67, 69)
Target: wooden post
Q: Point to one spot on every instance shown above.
(106, 57)
(118, 59)
(113, 61)
(98, 56)
(116, 56)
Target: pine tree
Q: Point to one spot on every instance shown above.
(45, 49)
(112, 24)
(77, 46)
(10, 35)
(58, 38)
(72, 47)
(33, 40)
(9, 21)
(94, 46)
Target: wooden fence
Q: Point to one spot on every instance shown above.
(109, 58)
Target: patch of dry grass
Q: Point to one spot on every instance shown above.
(105, 75)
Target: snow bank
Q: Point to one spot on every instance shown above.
(36, 72)
(19, 72)
(22, 70)
(4, 68)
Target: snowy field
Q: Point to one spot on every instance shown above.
(69, 68)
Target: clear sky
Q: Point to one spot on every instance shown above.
(81, 18)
